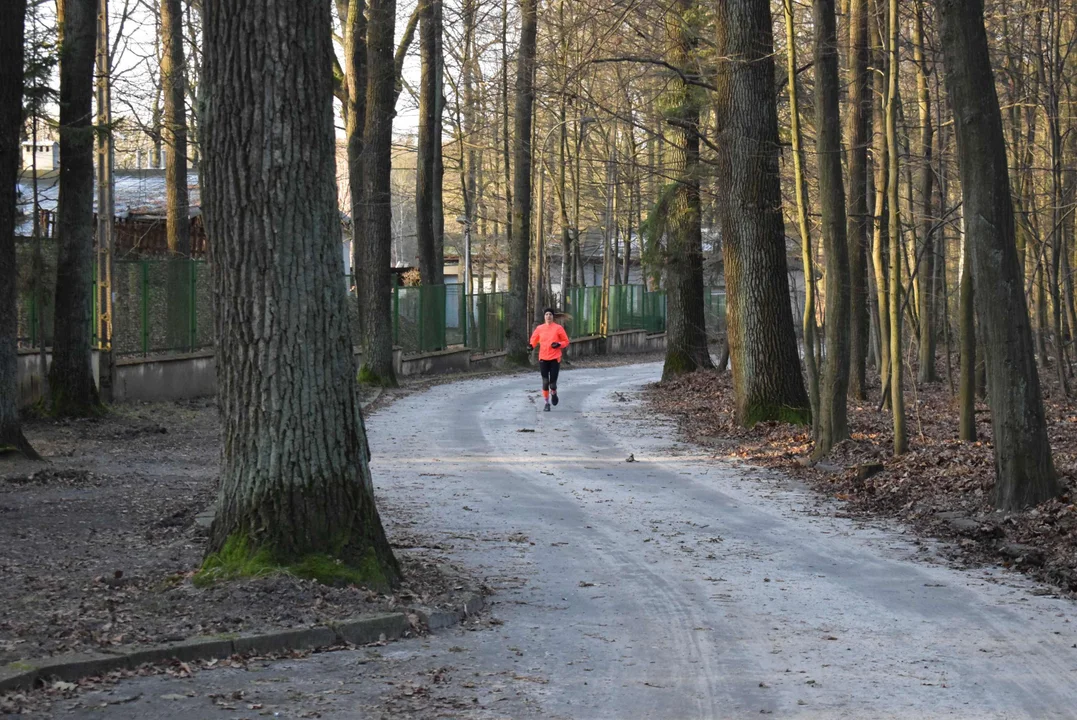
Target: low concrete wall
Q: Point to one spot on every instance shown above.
(436, 363)
(586, 346)
(656, 343)
(172, 378)
(626, 342)
(29, 374)
(489, 361)
(398, 356)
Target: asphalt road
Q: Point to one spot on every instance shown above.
(674, 586)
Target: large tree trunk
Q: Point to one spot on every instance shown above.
(294, 486)
(686, 326)
(833, 402)
(12, 18)
(1024, 471)
(767, 381)
(858, 134)
(71, 382)
(177, 225)
(520, 238)
(377, 216)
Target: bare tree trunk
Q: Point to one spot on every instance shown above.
(295, 486)
(177, 224)
(966, 399)
(880, 233)
(897, 375)
(12, 17)
(425, 148)
(377, 198)
(858, 134)
(355, 58)
(71, 382)
(833, 404)
(801, 187)
(925, 270)
(1024, 470)
(520, 239)
(686, 330)
(767, 381)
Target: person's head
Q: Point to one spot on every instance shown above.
(548, 314)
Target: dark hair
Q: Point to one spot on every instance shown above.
(549, 310)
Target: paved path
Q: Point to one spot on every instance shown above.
(675, 586)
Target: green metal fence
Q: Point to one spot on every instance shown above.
(428, 317)
(161, 306)
(714, 311)
(485, 322)
(583, 309)
(626, 307)
(654, 312)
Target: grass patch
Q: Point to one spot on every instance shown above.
(237, 560)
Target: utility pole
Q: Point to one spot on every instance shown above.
(106, 205)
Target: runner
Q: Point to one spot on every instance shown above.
(551, 339)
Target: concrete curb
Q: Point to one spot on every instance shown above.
(357, 631)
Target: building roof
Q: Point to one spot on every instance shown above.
(140, 194)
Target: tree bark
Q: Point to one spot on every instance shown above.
(377, 216)
(177, 224)
(858, 133)
(686, 327)
(880, 229)
(925, 270)
(1024, 470)
(425, 144)
(966, 398)
(12, 18)
(355, 52)
(833, 403)
(767, 380)
(71, 382)
(295, 483)
(520, 240)
(897, 374)
(801, 191)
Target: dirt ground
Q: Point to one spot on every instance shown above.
(941, 487)
(99, 544)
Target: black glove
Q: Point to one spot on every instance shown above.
(530, 348)
(555, 345)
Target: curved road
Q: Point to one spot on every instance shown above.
(674, 586)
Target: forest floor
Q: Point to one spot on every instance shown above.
(942, 487)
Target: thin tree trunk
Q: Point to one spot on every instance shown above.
(71, 382)
(377, 197)
(834, 423)
(897, 382)
(295, 483)
(925, 271)
(858, 135)
(800, 184)
(880, 234)
(12, 18)
(425, 145)
(177, 224)
(1024, 469)
(767, 381)
(520, 238)
(966, 399)
(355, 58)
